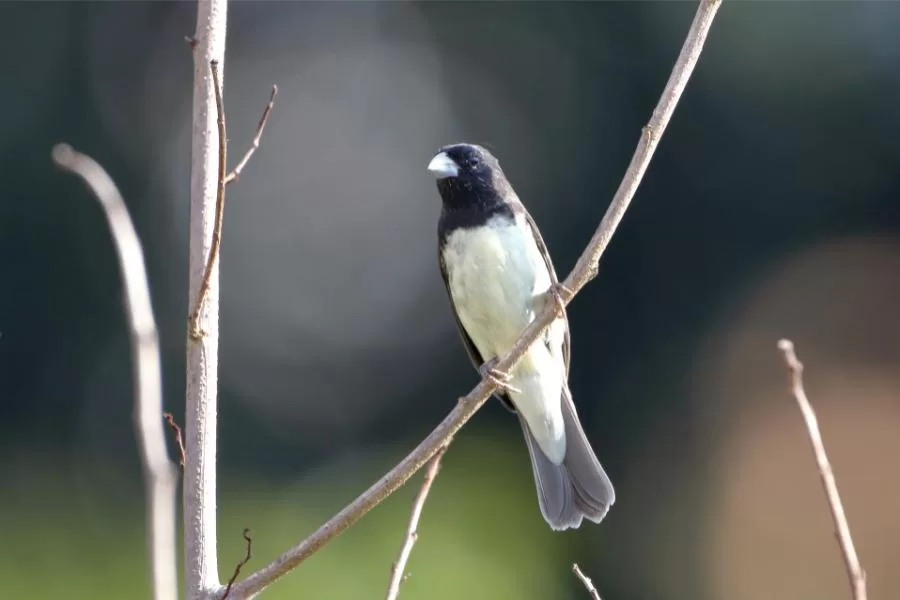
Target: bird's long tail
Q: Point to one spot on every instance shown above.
(579, 487)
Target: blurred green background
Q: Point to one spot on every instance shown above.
(770, 210)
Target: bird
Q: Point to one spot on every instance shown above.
(499, 277)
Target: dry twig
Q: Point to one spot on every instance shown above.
(254, 145)
(224, 179)
(240, 565)
(586, 581)
(159, 473)
(412, 533)
(179, 440)
(585, 269)
(194, 329)
(855, 572)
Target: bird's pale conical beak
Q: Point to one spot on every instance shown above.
(442, 166)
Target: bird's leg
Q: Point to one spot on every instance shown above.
(559, 293)
(489, 371)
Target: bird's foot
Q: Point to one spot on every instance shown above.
(489, 371)
(560, 293)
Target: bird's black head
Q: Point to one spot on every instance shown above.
(468, 175)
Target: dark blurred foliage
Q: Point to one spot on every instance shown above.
(771, 209)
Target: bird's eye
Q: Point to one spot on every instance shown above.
(474, 161)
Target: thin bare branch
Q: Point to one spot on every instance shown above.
(254, 145)
(237, 568)
(159, 473)
(412, 533)
(179, 440)
(584, 270)
(201, 573)
(196, 331)
(586, 581)
(855, 572)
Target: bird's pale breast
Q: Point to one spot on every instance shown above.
(494, 282)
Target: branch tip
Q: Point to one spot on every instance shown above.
(257, 137)
(586, 582)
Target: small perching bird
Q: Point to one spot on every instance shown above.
(499, 277)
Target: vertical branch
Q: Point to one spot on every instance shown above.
(159, 473)
(201, 570)
(855, 572)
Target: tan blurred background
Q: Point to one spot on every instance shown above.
(771, 210)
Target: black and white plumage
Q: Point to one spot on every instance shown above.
(499, 276)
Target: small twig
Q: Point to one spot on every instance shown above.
(159, 473)
(855, 571)
(412, 533)
(240, 565)
(195, 330)
(254, 145)
(224, 179)
(584, 270)
(178, 438)
(588, 584)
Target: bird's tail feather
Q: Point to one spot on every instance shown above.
(579, 487)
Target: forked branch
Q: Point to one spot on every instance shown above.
(224, 179)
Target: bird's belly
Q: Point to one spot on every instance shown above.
(495, 285)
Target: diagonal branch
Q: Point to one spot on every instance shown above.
(855, 572)
(412, 530)
(159, 473)
(586, 582)
(254, 145)
(248, 554)
(585, 269)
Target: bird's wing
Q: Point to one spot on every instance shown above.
(545, 254)
(474, 355)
